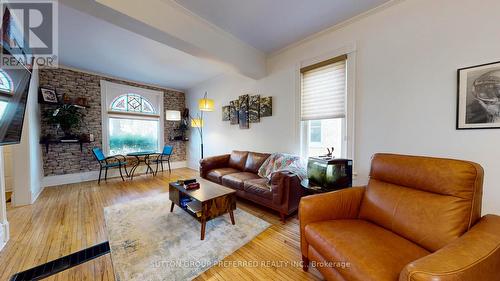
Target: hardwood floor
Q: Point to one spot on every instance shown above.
(68, 218)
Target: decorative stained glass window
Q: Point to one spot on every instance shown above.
(6, 84)
(132, 103)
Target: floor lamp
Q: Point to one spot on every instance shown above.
(204, 104)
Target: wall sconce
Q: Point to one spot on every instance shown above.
(172, 115)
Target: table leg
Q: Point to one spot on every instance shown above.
(172, 207)
(146, 161)
(132, 172)
(203, 226)
(232, 216)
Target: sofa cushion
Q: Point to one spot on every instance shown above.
(373, 252)
(259, 187)
(237, 159)
(216, 175)
(236, 180)
(254, 161)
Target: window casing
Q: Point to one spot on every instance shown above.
(132, 119)
(324, 108)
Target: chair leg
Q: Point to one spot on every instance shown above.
(120, 168)
(106, 174)
(161, 166)
(156, 172)
(100, 172)
(169, 170)
(305, 263)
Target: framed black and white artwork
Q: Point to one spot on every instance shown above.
(478, 105)
(48, 96)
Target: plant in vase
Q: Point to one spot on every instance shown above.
(67, 117)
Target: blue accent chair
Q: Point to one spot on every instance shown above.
(118, 161)
(164, 156)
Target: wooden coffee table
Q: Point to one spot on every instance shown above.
(215, 200)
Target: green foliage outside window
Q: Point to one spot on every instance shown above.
(123, 144)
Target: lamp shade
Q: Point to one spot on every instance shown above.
(173, 115)
(196, 123)
(206, 104)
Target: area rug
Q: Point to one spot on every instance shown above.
(149, 243)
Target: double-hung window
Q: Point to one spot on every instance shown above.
(323, 108)
(132, 119)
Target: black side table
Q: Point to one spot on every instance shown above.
(315, 189)
(311, 188)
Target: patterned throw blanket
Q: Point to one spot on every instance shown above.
(282, 162)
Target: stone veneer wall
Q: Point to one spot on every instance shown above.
(67, 158)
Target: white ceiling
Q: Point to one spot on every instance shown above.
(105, 40)
(91, 44)
(270, 25)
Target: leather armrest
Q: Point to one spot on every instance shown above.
(277, 177)
(341, 204)
(474, 256)
(282, 184)
(214, 162)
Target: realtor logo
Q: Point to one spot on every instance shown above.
(29, 30)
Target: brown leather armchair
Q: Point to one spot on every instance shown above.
(419, 218)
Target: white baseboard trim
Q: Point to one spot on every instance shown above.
(34, 196)
(4, 234)
(94, 175)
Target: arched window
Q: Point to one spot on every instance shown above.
(132, 103)
(6, 84)
(132, 119)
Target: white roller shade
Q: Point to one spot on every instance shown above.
(324, 90)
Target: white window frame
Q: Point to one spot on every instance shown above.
(302, 129)
(110, 90)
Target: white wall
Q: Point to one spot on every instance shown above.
(271, 134)
(28, 156)
(406, 62)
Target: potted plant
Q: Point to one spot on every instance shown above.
(67, 117)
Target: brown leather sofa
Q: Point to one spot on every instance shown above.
(418, 218)
(239, 169)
